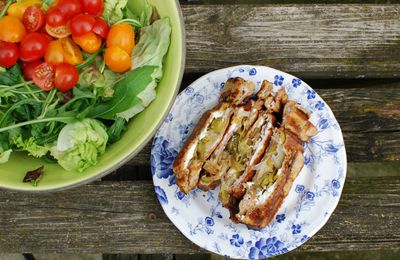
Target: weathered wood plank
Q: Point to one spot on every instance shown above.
(369, 118)
(349, 41)
(125, 217)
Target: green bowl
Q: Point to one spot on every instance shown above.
(140, 129)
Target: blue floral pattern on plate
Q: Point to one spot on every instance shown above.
(200, 216)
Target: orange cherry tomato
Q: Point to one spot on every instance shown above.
(54, 53)
(18, 9)
(59, 32)
(11, 29)
(71, 51)
(89, 42)
(117, 59)
(123, 36)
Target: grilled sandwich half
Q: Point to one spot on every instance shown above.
(208, 133)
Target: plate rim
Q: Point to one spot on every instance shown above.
(343, 163)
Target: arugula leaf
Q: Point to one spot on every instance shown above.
(126, 91)
(113, 10)
(11, 76)
(116, 130)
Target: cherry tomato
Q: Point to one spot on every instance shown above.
(117, 59)
(33, 46)
(123, 36)
(81, 24)
(61, 31)
(54, 53)
(43, 76)
(33, 19)
(11, 29)
(30, 68)
(9, 54)
(101, 28)
(93, 7)
(66, 76)
(89, 42)
(72, 53)
(70, 8)
(18, 9)
(54, 17)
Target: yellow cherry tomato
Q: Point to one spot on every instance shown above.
(71, 52)
(54, 53)
(18, 9)
(11, 29)
(89, 42)
(117, 59)
(123, 36)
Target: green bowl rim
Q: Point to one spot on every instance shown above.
(147, 139)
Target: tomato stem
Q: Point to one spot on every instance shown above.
(3, 12)
(89, 60)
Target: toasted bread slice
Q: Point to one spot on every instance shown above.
(296, 120)
(273, 180)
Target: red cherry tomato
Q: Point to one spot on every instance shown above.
(43, 76)
(54, 17)
(33, 46)
(70, 8)
(33, 19)
(9, 54)
(81, 24)
(94, 7)
(66, 76)
(29, 69)
(101, 28)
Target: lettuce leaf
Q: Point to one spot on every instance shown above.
(113, 10)
(30, 146)
(80, 144)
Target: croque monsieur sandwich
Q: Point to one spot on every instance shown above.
(250, 145)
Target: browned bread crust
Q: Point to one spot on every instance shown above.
(236, 90)
(296, 120)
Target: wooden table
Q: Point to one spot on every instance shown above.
(349, 52)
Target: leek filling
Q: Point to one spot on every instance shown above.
(217, 126)
(264, 181)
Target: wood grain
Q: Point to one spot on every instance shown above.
(318, 41)
(125, 217)
(369, 118)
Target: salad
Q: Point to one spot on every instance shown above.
(72, 74)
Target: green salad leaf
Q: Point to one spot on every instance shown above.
(116, 130)
(11, 76)
(113, 10)
(4, 155)
(126, 91)
(80, 144)
(91, 77)
(30, 146)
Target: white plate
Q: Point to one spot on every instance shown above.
(200, 216)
